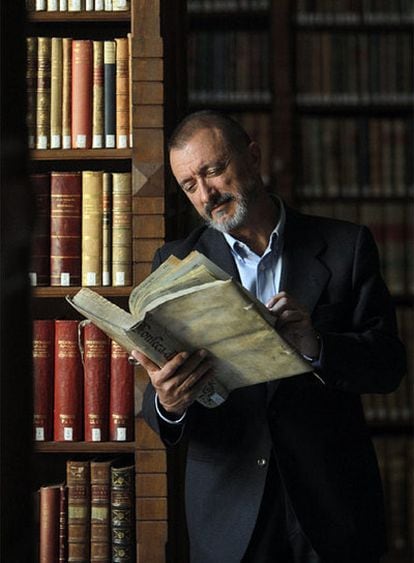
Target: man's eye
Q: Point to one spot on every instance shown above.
(215, 170)
(189, 188)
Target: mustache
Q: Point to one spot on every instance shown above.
(217, 200)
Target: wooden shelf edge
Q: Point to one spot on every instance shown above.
(71, 290)
(69, 17)
(81, 154)
(84, 447)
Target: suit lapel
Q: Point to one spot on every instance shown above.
(213, 245)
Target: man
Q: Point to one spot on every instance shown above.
(285, 471)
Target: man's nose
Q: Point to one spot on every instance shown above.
(206, 189)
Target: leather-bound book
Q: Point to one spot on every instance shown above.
(121, 396)
(49, 524)
(43, 376)
(68, 410)
(101, 511)
(40, 259)
(82, 73)
(79, 500)
(67, 93)
(123, 514)
(98, 96)
(107, 229)
(43, 93)
(65, 228)
(121, 229)
(109, 89)
(92, 194)
(63, 524)
(122, 93)
(96, 383)
(31, 87)
(56, 93)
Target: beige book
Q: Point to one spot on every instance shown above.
(98, 96)
(191, 304)
(92, 228)
(120, 5)
(43, 93)
(131, 126)
(31, 87)
(121, 229)
(107, 229)
(67, 93)
(122, 93)
(56, 93)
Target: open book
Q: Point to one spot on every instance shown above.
(191, 304)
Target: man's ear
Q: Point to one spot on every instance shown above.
(255, 155)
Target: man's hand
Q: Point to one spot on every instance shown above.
(294, 324)
(180, 380)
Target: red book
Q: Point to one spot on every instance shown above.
(121, 396)
(40, 261)
(43, 369)
(65, 228)
(82, 79)
(49, 524)
(96, 383)
(68, 383)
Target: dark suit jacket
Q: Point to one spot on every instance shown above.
(317, 430)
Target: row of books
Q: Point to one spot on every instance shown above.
(78, 5)
(259, 127)
(207, 6)
(83, 233)
(392, 225)
(78, 93)
(90, 516)
(228, 66)
(352, 157)
(83, 384)
(349, 11)
(396, 459)
(354, 66)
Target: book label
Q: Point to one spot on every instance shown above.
(122, 141)
(63, 5)
(52, 5)
(121, 434)
(106, 278)
(110, 141)
(42, 142)
(81, 141)
(55, 142)
(68, 434)
(67, 142)
(120, 278)
(91, 278)
(96, 434)
(40, 434)
(99, 5)
(31, 142)
(74, 5)
(33, 279)
(89, 5)
(40, 5)
(97, 142)
(65, 278)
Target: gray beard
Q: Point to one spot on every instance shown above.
(233, 222)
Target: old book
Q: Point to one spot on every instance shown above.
(49, 524)
(68, 407)
(395, 247)
(40, 258)
(109, 97)
(31, 87)
(67, 92)
(92, 227)
(123, 513)
(63, 524)
(43, 374)
(100, 511)
(96, 383)
(98, 96)
(43, 93)
(191, 304)
(82, 72)
(107, 229)
(56, 85)
(122, 92)
(121, 395)
(79, 498)
(65, 228)
(121, 229)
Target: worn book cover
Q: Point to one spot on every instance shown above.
(191, 304)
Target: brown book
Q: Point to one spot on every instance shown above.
(49, 524)
(67, 93)
(40, 257)
(63, 524)
(56, 93)
(98, 96)
(96, 383)
(43, 93)
(121, 229)
(68, 417)
(82, 73)
(65, 228)
(107, 229)
(395, 247)
(79, 484)
(109, 97)
(31, 88)
(121, 396)
(43, 375)
(92, 194)
(101, 511)
(123, 514)
(122, 93)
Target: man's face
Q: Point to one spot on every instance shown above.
(219, 182)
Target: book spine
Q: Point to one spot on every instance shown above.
(107, 229)
(68, 410)
(40, 259)
(121, 229)
(31, 88)
(65, 228)
(98, 96)
(121, 396)
(109, 93)
(100, 511)
(43, 370)
(96, 384)
(130, 83)
(67, 93)
(56, 93)
(43, 93)
(82, 73)
(63, 524)
(122, 514)
(120, 5)
(122, 93)
(49, 524)
(78, 483)
(92, 194)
